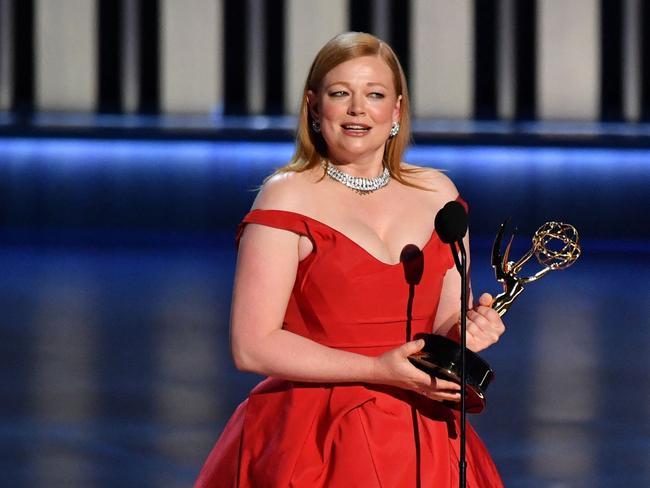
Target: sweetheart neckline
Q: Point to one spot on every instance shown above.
(433, 235)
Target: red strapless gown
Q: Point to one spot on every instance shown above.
(306, 435)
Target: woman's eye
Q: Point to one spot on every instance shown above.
(377, 95)
(339, 93)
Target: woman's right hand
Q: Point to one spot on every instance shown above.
(393, 368)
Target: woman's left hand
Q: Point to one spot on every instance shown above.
(484, 326)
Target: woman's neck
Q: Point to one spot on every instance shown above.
(364, 169)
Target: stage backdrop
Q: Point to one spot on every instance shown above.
(466, 59)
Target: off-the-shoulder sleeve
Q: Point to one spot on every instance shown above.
(279, 219)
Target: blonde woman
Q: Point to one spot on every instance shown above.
(321, 303)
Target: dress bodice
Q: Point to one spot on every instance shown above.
(345, 297)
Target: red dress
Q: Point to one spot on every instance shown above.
(309, 435)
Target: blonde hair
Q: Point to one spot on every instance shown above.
(310, 146)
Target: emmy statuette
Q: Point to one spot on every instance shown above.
(555, 245)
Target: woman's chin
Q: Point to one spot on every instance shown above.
(355, 151)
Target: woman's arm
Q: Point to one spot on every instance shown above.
(266, 270)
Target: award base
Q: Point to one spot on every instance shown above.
(440, 357)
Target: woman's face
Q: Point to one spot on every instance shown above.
(356, 106)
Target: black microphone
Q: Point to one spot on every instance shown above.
(451, 222)
(451, 226)
(412, 261)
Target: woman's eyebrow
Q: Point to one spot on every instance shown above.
(345, 83)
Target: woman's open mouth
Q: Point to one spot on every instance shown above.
(355, 129)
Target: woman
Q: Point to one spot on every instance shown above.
(321, 300)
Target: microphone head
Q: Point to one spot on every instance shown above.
(451, 222)
(412, 261)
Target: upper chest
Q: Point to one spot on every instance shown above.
(383, 225)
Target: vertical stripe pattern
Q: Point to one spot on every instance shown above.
(464, 59)
(23, 57)
(6, 48)
(361, 15)
(525, 12)
(109, 56)
(66, 43)
(380, 22)
(275, 29)
(569, 81)
(442, 68)
(235, 34)
(130, 51)
(400, 28)
(611, 66)
(631, 60)
(309, 26)
(255, 56)
(190, 57)
(485, 53)
(505, 89)
(645, 61)
(149, 89)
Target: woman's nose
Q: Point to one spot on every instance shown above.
(356, 106)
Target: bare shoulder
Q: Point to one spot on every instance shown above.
(431, 179)
(285, 191)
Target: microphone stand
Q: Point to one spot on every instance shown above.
(461, 266)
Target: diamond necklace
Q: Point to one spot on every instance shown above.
(362, 186)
